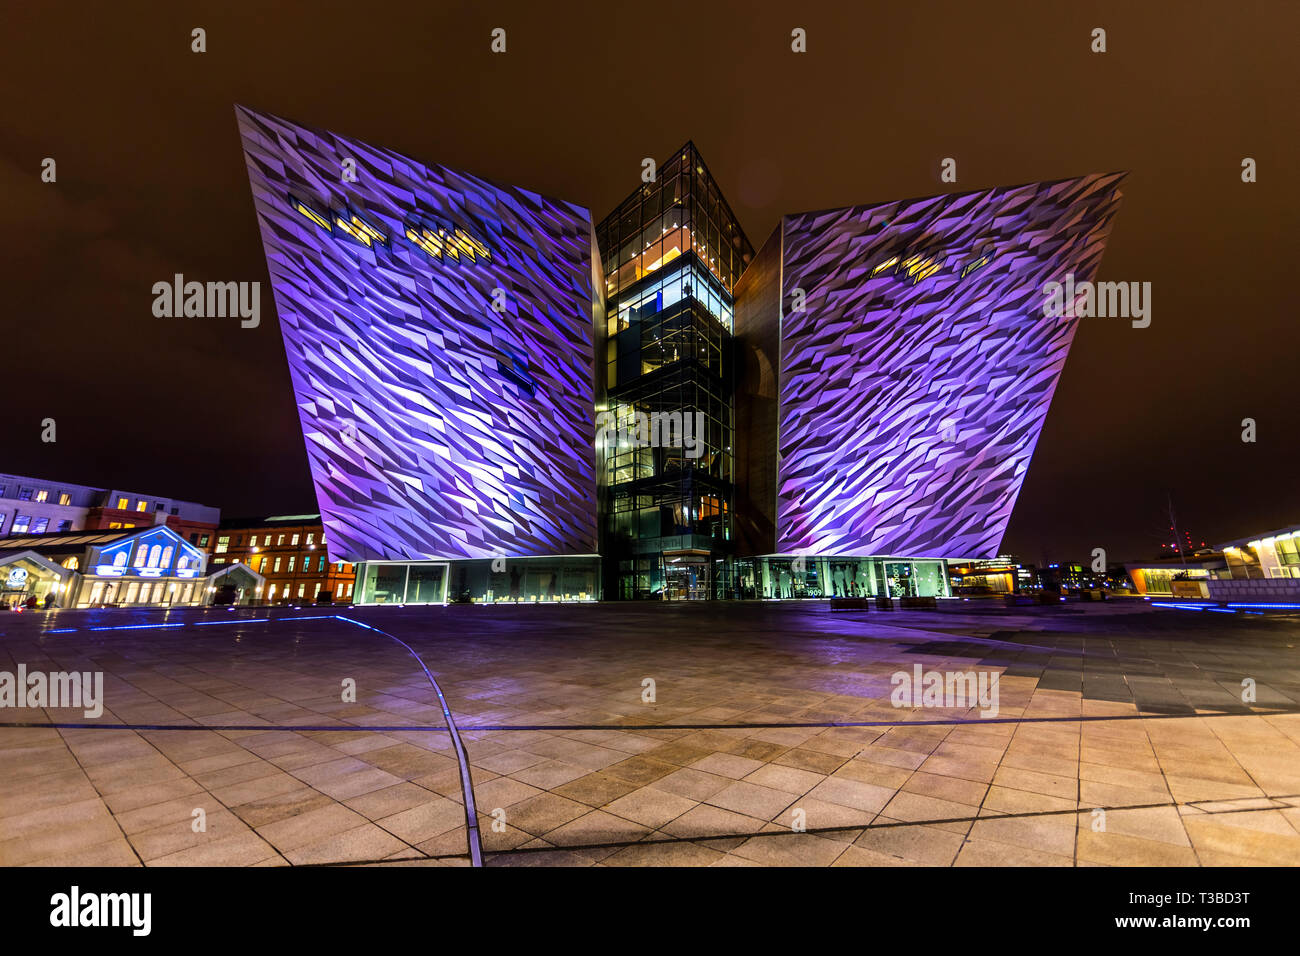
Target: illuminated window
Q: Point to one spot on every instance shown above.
(292, 558)
(311, 539)
(42, 495)
(223, 544)
(21, 522)
(142, 506)
(65, 498)
(294, 540)
(451, 242)
(468, 245)
(252, 542)
(71, 563)
(306, 210)
(976, 264)
(123, 504)
(353, 225)
(918, 267)
(427, 239)
(40, 525)
(301, 588)
(884, 266)
(276, 570)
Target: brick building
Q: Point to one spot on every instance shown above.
(290, 552)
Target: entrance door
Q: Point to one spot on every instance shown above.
(687, 580)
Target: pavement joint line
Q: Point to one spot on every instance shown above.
(474, 837)
(484, 728)
(893, 825)
(289, 728)
(670, 840)
(399, 859)
(467, 784)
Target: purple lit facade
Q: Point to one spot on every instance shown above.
(893, 370)
(900, 365)
(440, 334)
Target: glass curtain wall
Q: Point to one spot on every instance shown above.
(672, 253)
(518, 581)
(791, 578)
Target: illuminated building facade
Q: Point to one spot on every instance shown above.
(482, 375)
(39, 506)
(898, 367)
(440, 334)
(290, 553)
(672, 252)
(148, 567)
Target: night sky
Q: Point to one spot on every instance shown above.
(151, 182)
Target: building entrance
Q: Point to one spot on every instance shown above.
(687, 579)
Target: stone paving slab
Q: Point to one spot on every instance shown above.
(1126, 710)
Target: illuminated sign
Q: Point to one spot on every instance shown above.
(17, 579)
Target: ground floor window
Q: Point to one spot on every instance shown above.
(829, 576)
(503, 581)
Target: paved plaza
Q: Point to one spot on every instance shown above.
(624, 735)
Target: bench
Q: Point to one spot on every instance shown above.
(849, 604)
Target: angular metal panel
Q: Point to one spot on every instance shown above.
(916, 379)
(436, 425)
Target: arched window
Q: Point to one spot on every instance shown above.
(141, 554)
(119, 559)
(71, 563)
(154, 553)
(167, 556)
